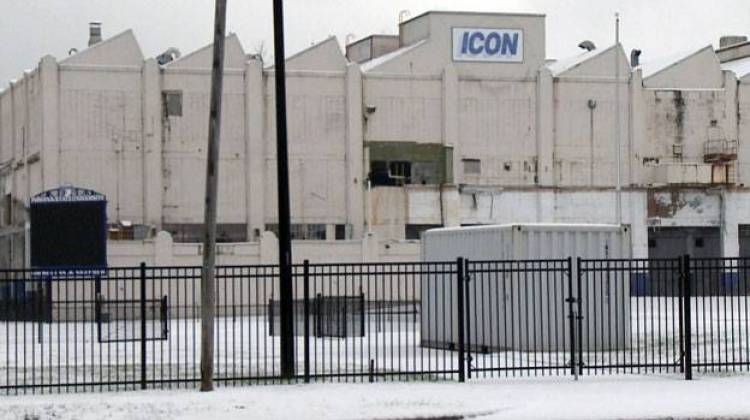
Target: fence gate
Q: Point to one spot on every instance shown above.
(630, 315)
(518, 318)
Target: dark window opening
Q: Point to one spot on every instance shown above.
(172, 103)
(341, 232)
(415, 231)
(8, 210)
(402, 163)
(699, 242)
(301, 231)
(400, 171)
(652, 243)
(193, 232)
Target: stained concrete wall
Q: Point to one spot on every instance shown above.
(96, 120)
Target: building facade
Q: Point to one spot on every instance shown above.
(460, 119)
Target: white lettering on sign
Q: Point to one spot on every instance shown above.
(489, 45)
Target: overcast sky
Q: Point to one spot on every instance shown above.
(30, 29)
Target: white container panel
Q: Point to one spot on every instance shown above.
(527, 311)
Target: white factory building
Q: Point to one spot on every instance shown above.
(459, 119)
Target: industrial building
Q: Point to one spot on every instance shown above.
(459, 119)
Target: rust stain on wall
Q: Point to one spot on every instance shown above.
(666, 203)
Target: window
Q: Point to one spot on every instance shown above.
(415, 231)
(400, 171)
(402, 163)
(301, 231)
(342, 232)
(472, 166)
(652, 243)
(8, 210)
(699, 242)
(193, 232)
(172, 103)
(126, 231)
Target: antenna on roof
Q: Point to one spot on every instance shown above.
(587, 45)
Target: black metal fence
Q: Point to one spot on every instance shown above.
(139, 327)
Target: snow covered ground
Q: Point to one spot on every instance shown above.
(71, 353)
(608, 397)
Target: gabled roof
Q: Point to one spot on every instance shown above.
(699, 69)
(377, 62)
(234, 56)
(653, 67)
(121, 49)
(740, 67)
(323, 56)
(581, 61)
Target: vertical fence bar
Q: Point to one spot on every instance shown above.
(572, 317)
(686, 276)
(143, 325)
(579, 317)
(306, 303)
(460, 300)
(467, 320)
(681, 309)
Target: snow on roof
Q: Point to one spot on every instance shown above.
(561, 66)
(740, 67)
(652, 67)
(370, 65)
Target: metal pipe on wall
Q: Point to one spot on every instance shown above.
(618, 151)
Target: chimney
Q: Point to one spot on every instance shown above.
(728, 40)
(95, 33)
(635, 58)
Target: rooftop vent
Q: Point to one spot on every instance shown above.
(95, 33)
(587, 45)
(170, 54)
(728, 40)
(635, 58)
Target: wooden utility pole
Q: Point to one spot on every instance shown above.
(282, 175)
(208, 300)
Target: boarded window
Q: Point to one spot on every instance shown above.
(172, 104)
(472, 166)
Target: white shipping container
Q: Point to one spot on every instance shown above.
(512, 310)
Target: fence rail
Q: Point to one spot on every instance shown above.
(139, 327)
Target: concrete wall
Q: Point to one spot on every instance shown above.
(544, 137)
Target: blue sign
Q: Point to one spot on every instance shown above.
(488, 45)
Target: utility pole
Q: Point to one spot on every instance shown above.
(618, 148)
(208, 308)
(282, 175)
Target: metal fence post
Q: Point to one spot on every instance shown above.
(467, 318)
(143, 325)
(686, 276)
(306, 303)
(571, 300)
(579, 316)
(461, 343)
